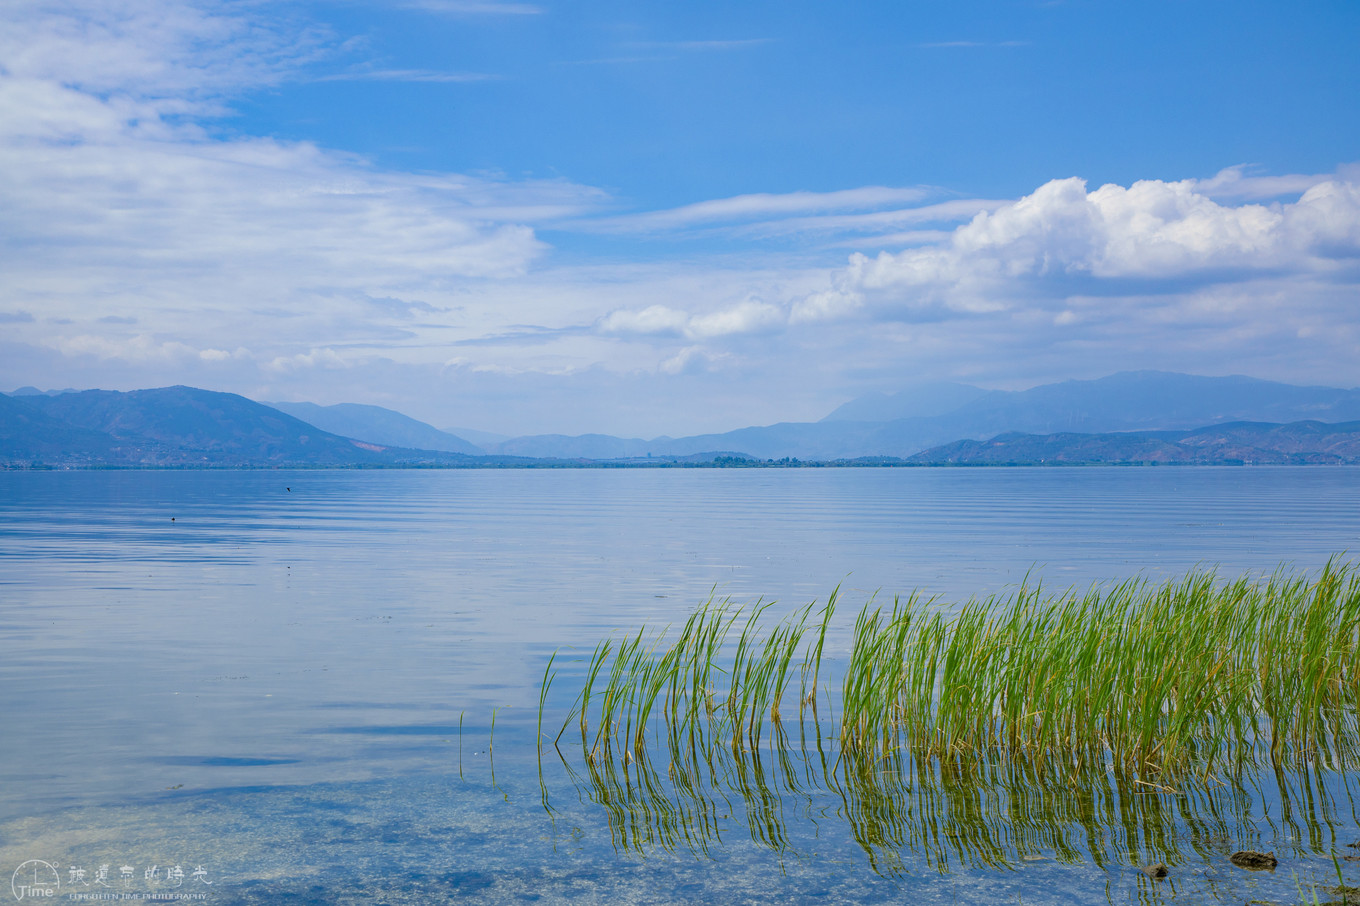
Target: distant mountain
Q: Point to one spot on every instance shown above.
(919, 401)
(183, 426)
(377, 426)
(480, 438)
(1297, 443)
(1146, 400)
(28, 434)
(34, 391)
(584, 446)
(177, 426)
(1158, 400)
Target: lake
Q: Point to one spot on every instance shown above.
(280, 686)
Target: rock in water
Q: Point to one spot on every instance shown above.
(1249, 858)
(1159, 870)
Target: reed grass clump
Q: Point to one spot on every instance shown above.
(1024, 723)
(1195, 673)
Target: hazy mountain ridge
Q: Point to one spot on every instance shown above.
(1128, 401)
(377, 425)
(1260, 443)
(177, 426)
(1146, 400)
(27, 434)
(918, 401)
(184, 426)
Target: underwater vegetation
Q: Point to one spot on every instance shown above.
(1125, 721)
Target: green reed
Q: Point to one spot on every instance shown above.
(1191, 672)
(1196, 671)
(1124, 707)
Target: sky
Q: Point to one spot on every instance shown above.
(672, 218)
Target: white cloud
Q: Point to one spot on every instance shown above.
(745, 317)
(689, 360)
(1151, 230)
(141, 247)
(951, 211)
(127, 207)
(654, 320)
(749, 316)
(315, 358)
(824, 306)
(140, 348)
(761, 206)
(1237, 182)
(170, 53)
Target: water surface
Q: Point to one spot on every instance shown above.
(264, 673)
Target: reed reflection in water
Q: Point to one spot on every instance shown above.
(966, 812)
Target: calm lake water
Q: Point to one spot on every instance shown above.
(283, 683)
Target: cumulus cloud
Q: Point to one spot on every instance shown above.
(305, 361)
(749, 316)
(824, 306)
(654, 320)
(141, 349)
(746, 317)
(1152, 230)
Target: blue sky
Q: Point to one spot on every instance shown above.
(656, 218)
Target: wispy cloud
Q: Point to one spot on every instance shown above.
(760, 206)
(132, 214)
(1241, 182)
(951, 211)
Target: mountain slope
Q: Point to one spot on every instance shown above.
(377, 426)
(29, 435)
(919, 401)
(1296, 443)
(188, 426)
(1157, 400)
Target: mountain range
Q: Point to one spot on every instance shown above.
(929, 415)
(1143, 416)
(178, 427)
(1254, 443)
